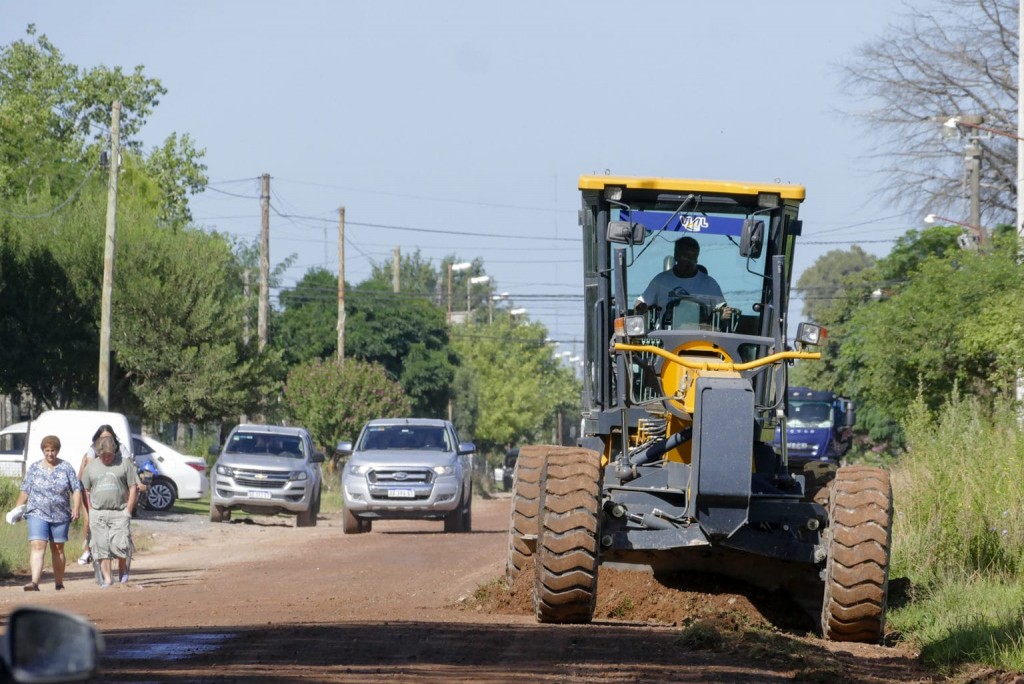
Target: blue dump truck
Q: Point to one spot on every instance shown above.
(819, 425)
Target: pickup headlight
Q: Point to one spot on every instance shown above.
(225, 471)
(358, 468)
(298, 475)
(444, 469)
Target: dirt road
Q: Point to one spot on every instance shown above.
(264, 601)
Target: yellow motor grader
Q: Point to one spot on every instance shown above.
(686, 289)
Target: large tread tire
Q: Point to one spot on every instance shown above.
(350, 524)
(524, 518)
(565, 583)
(860, 513)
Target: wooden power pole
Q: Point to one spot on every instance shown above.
(110, 243)
(341, 283)
(396, 264)
(264, 310)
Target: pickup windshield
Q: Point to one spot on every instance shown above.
(263, 443)
(392, 437)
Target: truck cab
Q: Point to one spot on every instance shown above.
(818, 426)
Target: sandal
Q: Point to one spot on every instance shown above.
(85, 558)
(31, 586)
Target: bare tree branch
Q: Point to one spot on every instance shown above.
(961, 59)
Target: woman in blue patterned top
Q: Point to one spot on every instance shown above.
(53, 495)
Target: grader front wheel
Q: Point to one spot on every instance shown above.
(857, 570)
(524, 519)
(565, 584)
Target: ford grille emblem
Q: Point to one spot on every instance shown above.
(401, 476)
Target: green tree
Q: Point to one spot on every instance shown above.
(178, 171)
(178, 327)
(408, 336)
(306, 327)
(952, 325)
(416, 275)
(824, 286)
(859, 291)
(832, 288)
(333, 399)
(517, 385)
(44, 344)
(51, 109)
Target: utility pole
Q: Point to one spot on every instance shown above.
(110, 243)
(341, 283)
(1020, 163)
(972, 162)
(264, 310)
(396, 264)
(246, 291)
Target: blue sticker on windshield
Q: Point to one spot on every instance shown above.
(686, 223)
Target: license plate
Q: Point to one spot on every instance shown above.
(257, 494)
(401, 494)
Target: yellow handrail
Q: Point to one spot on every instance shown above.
(716, 365)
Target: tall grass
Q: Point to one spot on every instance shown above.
(958, 534)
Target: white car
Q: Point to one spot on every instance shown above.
(181, 476)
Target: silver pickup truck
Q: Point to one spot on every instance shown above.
(407, 468)
(266, 470)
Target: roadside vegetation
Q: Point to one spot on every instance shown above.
(958, 535)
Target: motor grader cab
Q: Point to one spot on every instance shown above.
(684, 385)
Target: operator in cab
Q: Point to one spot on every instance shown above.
(685, 280)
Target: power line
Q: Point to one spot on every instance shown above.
(54, 210)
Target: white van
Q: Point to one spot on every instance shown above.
(74, 429)
(12, 449)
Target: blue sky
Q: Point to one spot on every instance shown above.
(448, 117)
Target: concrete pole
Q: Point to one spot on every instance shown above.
(396, 266)
(341, 283)
(109, 248)
(449, 308)
(972, 157)
(264, 306)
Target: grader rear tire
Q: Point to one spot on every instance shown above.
(565, 583)
(857, 570)
(524, 519)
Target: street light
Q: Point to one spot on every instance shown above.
(517, 312)
(974, 121)
(475, 280)
(461, 266)
(976, 239)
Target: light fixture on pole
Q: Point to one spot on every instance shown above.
(974, 121)
(517, 312)
(972, 241)
(452, 268)
(475, 280)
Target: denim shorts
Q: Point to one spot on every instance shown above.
(40, 530)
